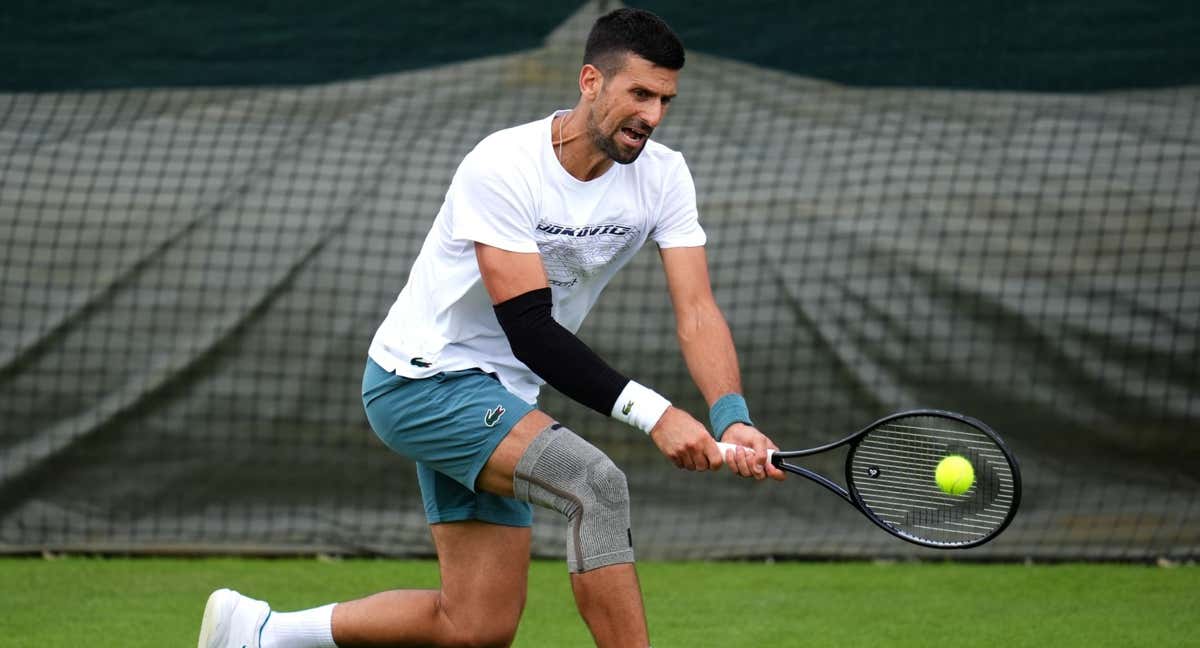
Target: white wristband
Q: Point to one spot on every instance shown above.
(639, 406)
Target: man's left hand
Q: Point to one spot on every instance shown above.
(750, 458)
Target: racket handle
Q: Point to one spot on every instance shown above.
(731, 446)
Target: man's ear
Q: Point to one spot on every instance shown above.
(591, 79)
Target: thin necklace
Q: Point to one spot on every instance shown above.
(561, 120)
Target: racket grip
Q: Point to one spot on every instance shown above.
(731, 446)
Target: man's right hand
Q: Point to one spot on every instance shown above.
(685, 441)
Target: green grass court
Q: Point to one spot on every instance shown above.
(76, 602)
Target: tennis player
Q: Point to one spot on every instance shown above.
(537, 220)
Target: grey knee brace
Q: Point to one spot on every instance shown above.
(563, 472)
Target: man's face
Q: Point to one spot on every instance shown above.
(629, 106)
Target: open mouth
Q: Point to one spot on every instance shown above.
(634, 136)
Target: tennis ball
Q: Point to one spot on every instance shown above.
(955, 475)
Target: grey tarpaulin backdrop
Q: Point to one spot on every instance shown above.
(190, 278)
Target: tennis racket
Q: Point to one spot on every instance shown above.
(890, 471)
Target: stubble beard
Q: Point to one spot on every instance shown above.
(608, 143)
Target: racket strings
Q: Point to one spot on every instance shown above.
(893, 470)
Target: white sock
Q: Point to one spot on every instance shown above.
(304, 629)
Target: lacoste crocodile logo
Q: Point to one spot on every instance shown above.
(627, 409)
(420, 362)
(492, 417)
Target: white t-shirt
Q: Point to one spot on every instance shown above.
(511, 192)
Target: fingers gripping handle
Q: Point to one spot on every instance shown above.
(732, 446)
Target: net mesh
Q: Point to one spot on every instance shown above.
(189, 279)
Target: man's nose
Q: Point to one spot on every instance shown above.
(653, 113)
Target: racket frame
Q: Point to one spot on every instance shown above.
(851, 495)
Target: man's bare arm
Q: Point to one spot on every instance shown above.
(708, 348)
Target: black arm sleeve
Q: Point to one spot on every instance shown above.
(555, 354)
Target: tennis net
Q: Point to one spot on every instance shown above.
(190, 278)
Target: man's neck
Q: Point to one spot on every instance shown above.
(575, 150)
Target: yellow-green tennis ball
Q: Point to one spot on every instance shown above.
(955, 475)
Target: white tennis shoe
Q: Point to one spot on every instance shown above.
(233, 621)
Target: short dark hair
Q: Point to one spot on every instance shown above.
(632, 31)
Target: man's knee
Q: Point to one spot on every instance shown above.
(488, 635)
(561, 471)
(480, 628)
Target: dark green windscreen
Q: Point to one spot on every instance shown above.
(1057, 45)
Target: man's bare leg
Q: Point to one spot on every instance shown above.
(484, 568)
(610, 601)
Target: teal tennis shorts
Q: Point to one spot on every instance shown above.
(449, 424)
